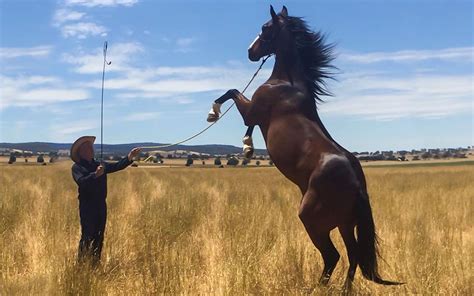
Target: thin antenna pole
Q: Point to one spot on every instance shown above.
(102, 105)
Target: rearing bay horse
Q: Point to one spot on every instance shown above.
(330, 178)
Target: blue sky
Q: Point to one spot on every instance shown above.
(405, 79)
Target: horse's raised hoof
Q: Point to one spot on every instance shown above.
(248, 152)
(212, 117)
(214, 113)
(248, 147)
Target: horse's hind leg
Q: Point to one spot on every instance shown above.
(347, 233)
(328, 252)
(319, 237)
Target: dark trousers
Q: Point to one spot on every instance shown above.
(93, 218)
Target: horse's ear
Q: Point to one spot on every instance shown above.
(284, 11)
(274, 15)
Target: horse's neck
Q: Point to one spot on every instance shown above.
(287, 67)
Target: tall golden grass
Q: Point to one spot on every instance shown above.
(228, 231)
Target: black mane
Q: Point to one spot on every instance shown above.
(316, 56)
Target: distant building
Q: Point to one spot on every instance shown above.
(4, 151)
(64, 152)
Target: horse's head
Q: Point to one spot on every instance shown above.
(272, 31)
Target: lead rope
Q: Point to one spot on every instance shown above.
(210, 125)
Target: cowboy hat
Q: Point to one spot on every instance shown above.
(75, 146)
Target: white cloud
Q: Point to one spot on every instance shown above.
(118, 53)
(180, 71)
(158, 82)
(38, 80)
(387, 98)
(129, 32)
(184, 44)
(184, 41)
(31, 91)
(63, 15)
(179, 83)
(67, 19)
(69, 130)
(460, 53)
(142, 116)
(16, 52)
(183, 100)
(366, 94)
(101, 3)
(83, 30)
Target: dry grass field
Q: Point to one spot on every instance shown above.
(228, 231)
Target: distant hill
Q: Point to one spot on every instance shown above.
(122, 149)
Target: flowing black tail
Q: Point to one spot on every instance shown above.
(367, 245)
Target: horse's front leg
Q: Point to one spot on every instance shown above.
(215, 111)
(244, 106)
(248, 142)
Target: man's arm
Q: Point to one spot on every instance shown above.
(119, 165)
(82, 177)
(123, 163)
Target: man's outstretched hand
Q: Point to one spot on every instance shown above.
(99, 171)
(134, 152)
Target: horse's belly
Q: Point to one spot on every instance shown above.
(296, 148)
(289, 156)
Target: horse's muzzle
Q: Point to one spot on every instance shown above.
(253, 57)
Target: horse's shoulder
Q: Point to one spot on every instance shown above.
(273, 90)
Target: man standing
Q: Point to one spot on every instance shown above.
(91, 177)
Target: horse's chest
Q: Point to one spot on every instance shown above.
(276, 100)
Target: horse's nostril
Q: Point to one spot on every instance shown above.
(253, 57)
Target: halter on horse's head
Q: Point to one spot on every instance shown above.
(266, 42)
(290, 38)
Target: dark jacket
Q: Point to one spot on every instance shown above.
(91, 187)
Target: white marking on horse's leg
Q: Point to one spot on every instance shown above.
(214, 113)
(247, 140)
(248, 146)
(216, 107)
